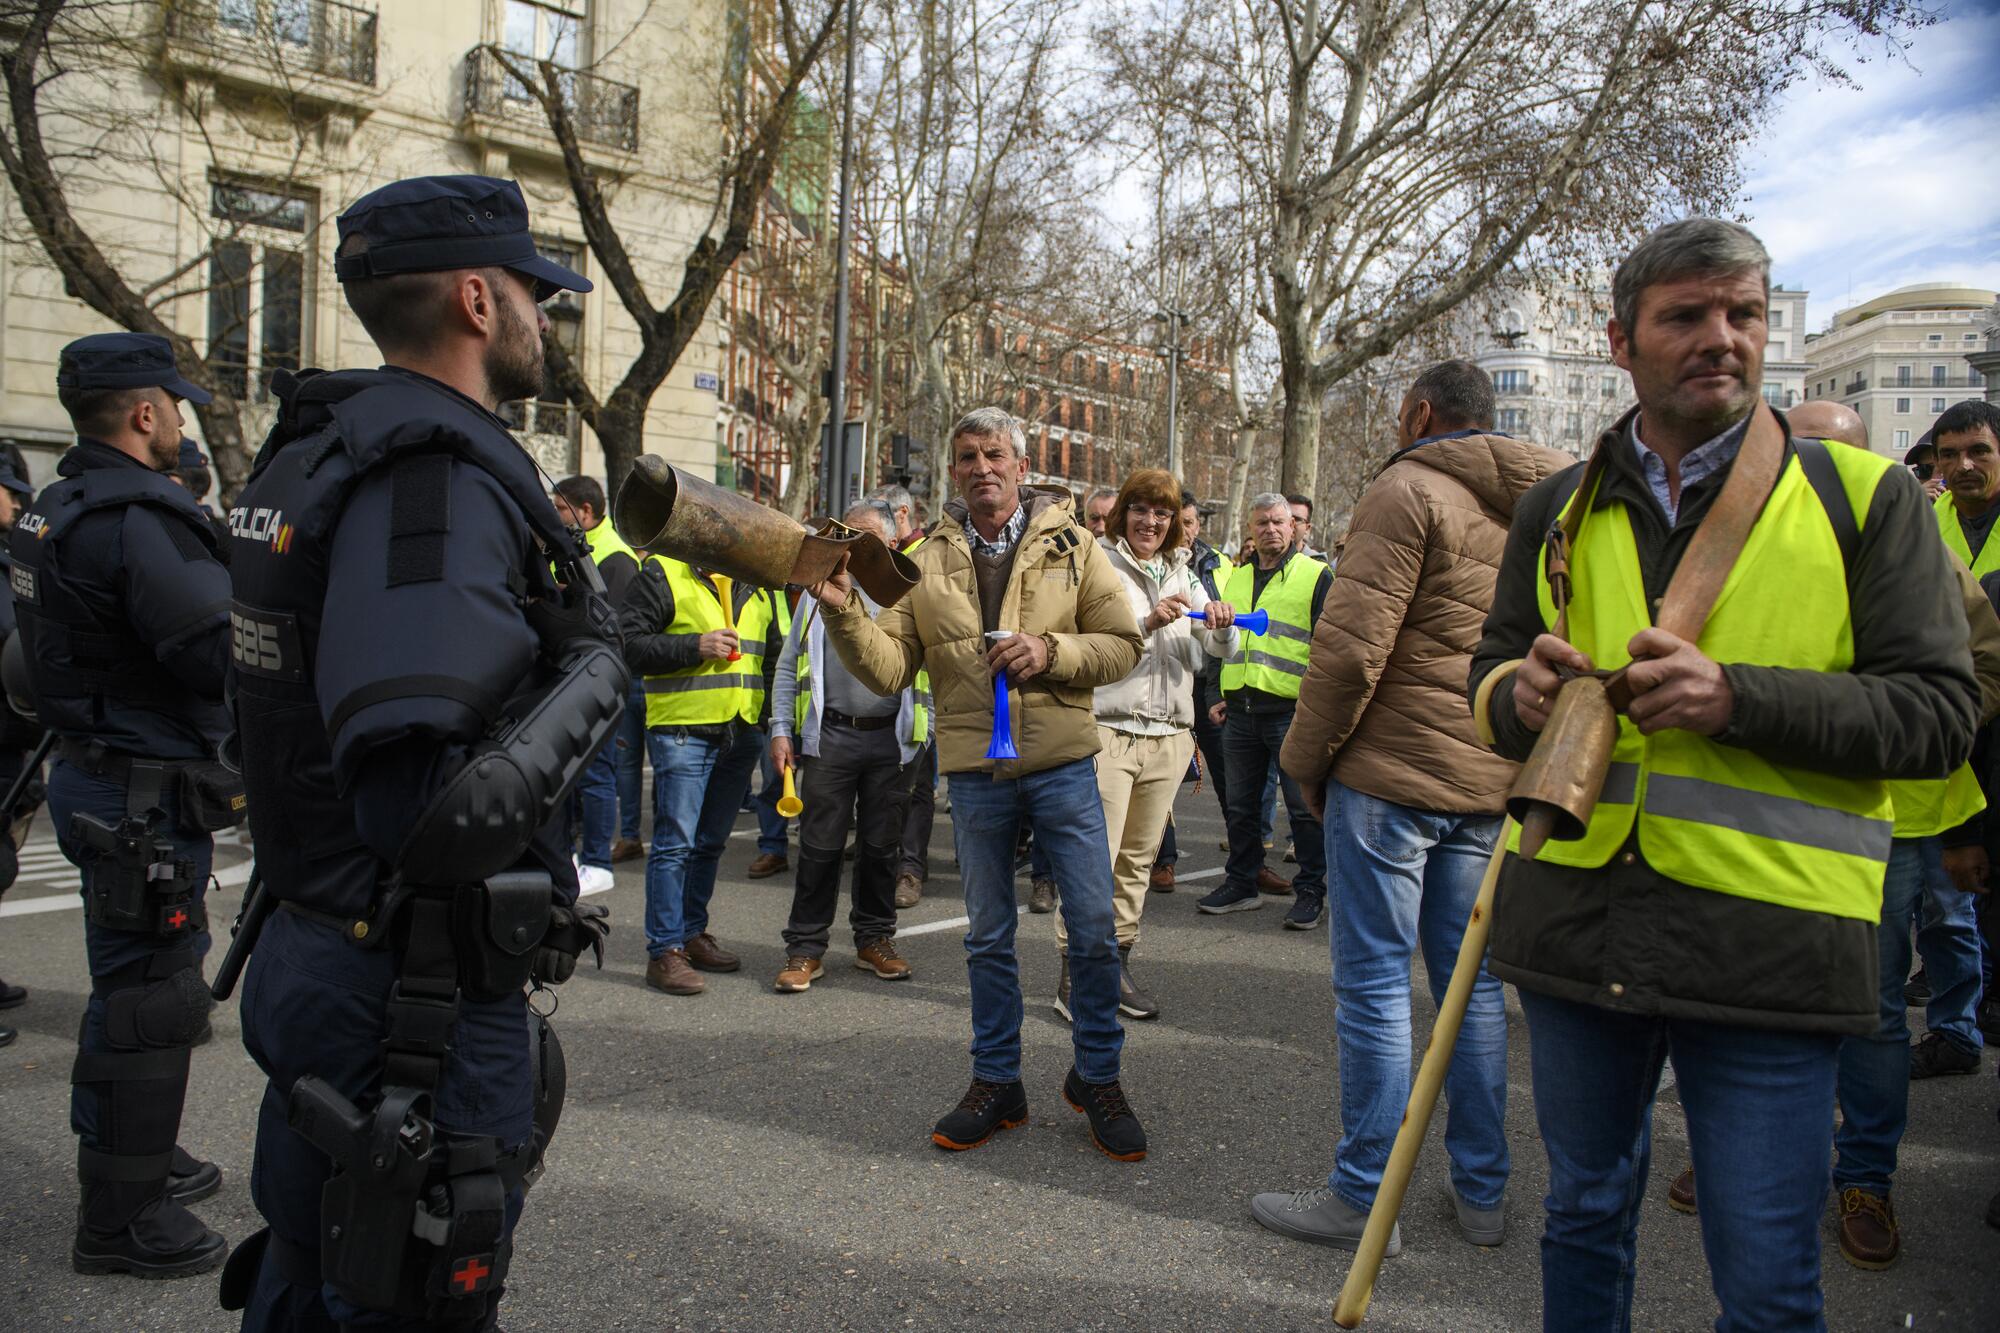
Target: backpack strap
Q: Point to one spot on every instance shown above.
(1816, 461)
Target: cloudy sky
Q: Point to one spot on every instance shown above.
(1858, 190)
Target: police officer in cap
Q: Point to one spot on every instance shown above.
(123, 621)
(18, 736)
(422, 672)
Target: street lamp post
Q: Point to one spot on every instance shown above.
(833, 453)
(1172, 322)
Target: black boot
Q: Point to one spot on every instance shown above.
(984, 1110)
(189, 1179)
(1114, 1128)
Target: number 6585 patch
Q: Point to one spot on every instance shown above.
(265, 643)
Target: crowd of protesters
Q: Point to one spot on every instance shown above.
(1118, 631)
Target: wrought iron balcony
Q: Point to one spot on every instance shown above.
(604, 111)
(325, 37)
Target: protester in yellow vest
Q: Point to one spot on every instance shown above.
(1260, 691)
(579, 502)
(853, 750)
(1721, 906)
(705, 719)
(1967, 440)
(1918, 894)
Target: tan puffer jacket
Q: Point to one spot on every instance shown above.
(1061, 585)
(1383, 703)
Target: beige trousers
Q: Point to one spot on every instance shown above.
(1137, 779)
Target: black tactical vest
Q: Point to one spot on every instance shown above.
(334, 428)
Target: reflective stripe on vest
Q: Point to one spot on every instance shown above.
(1954, 537)
(1721, 817)
(1926, 809)
(1274, 661)
(715, 691)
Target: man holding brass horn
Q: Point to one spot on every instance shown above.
(1780, 635)
(1012, 584)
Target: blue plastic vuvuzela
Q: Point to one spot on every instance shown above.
(1256, 622)
(1002, 744)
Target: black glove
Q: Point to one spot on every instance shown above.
(573, 617)
(571, 931)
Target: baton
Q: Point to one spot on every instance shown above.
(258, 904)
(1352, 1306)
(26, 775)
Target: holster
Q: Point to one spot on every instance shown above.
(212, 796)
(136, 881)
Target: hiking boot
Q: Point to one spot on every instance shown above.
(1162, 880)
(798, 973)
(626, 849)
(1042, 896)
(1484, 1227)
(1680, 1194)
(1869, 1237)
(1268, 881)
(909, 892)
(1318, 1216)
(670, 972)
(1308, 910)
(709, 956)
(189, 1179)
(164, 1240)
(1917, 990)
(985, 1109)
(1937, 1054)
(1113, 1127)
(1062, 990)
(1132, 1002)
(1229, 898)
(881, 958)
(767, 864)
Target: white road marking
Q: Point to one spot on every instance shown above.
(959, 922)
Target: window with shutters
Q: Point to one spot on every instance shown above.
(258, 291)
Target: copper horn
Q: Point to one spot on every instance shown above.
(667, 511)
(1558, 787)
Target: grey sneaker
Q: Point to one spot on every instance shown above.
(1481, 1226)
(1318, 1217)
(1042, 896)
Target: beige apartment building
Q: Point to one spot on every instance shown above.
(1900, 359)
(209, 145)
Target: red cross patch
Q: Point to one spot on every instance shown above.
(178, 919)
(471, 1273)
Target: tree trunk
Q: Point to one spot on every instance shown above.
(803, 484)
(1298, 472)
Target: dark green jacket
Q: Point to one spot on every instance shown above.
(1624, 936)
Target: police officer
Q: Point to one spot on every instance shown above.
(421, 673)
(123, 618)
(18, 736)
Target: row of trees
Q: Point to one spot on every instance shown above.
(1324, 182)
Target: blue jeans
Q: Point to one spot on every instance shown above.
(1250, 744)
(1405, 878)
(1760, 1124)
(1061, 805)
(597, 806)
(698, 787)
(629, 745)
(1874, 1081)
(773, 830)
(1948, 939)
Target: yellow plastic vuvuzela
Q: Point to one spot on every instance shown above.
(789, 803)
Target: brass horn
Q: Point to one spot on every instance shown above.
(1557, 789)
(665, 510)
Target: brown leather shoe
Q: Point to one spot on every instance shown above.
(1268, 881)
(1869, 1237)
(881, 958)
(797, 974)
(626, 849)
(709, 956)
(1163, 879)
(670, 972)
(1042, 896)
(766, 865)
(1680, 1194)
(909, 891)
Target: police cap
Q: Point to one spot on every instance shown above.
(430, 224)
(124, 361)
(10, 480)
(191, 455)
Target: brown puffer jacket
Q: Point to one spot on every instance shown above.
(1383, 703)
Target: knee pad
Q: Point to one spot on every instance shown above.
(158, 1014)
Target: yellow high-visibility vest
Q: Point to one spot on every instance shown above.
(1988, 558)
(713, 691)
(1274, 661)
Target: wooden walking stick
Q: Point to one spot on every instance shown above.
(1360, 1285)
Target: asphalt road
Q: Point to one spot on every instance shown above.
(745, 1160)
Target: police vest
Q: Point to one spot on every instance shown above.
(713, 691)
(334, 430)
(604, 542)
(84, 662)
(1722, 817)
(920, 692)
(1274, 661)
(1988, 559)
